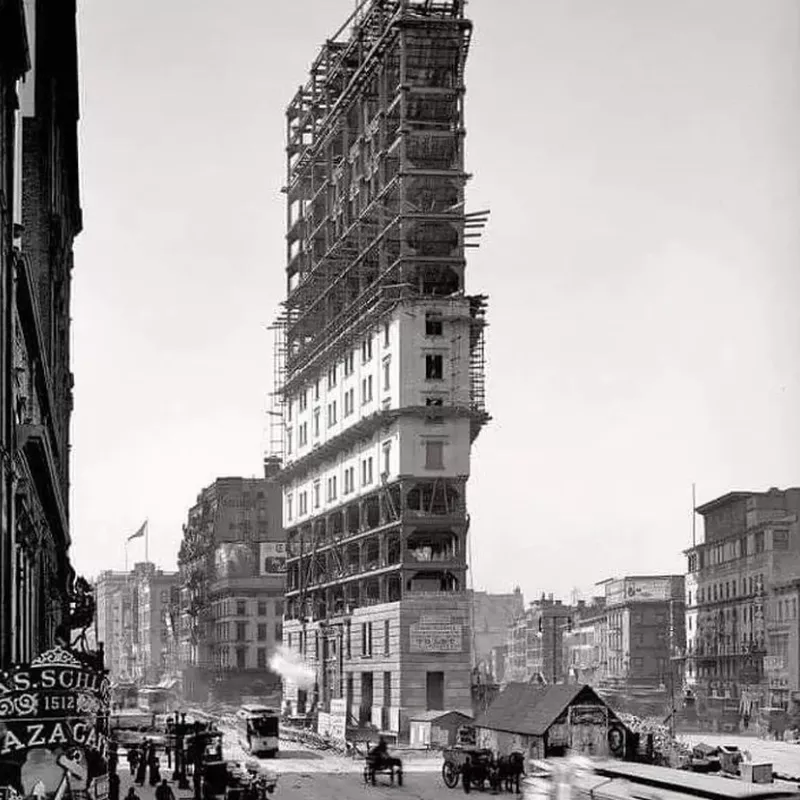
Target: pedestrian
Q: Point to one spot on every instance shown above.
(132, 794)
(164, 791)
(113, 786)
(141, 770)
(168, 753)
(466, 774)
(155, 771)
(133, 760)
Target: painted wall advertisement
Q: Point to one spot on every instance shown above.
(273, 558)
(53, 723)
(234, 560)
(633, 590)
(436, 633)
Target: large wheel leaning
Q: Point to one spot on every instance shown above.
(450, 774)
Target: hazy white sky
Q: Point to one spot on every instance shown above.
(642, 165)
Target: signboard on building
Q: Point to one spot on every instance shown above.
(272, 558)
(53, 728)
(333, 724)
(436, 633)
(234, 560)
(638, 590)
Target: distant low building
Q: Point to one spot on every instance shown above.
(492, 615)
(535, 642)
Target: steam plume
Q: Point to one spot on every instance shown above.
(291, 667)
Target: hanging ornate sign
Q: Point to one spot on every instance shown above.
(53, 728)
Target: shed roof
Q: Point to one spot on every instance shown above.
(434, 716)
(531, 709)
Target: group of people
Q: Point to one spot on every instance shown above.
(144, 758)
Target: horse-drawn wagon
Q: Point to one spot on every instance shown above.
(477, 768)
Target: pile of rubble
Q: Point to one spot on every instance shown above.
(667, 749)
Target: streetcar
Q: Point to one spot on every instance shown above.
(257, 728)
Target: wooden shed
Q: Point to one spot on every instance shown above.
(436, 728)
(543, 721)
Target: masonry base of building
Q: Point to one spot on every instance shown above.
(385, 663)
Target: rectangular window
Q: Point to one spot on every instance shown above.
(241, 631)
(349, 402)
(317, 493)
(349, 364)
(302, 502)
(386, 637)
(434, 367)
(262, 632)
(387, 331)
(288, 441)
(288, 508)
(316, 423)
(366, 390)
(331, 413)
(241, 608)
(433, 325)
(332, 488)
(387, 374)
(302, 435)
(366, 471)
(261, 657)
(436, 402)
(366, 639)
(241, 658)
(349, 480)
(289, 407)
(348, 643)
(366, 350)
(262, 608)
(434, 455)
(387, 458)
(332, 377)
(303, 401)
(278, 631)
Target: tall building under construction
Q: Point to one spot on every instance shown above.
(380, 364)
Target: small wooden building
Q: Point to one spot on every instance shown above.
(436, 728)
(547, 721)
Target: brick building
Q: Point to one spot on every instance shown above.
(535, 642)
(40, 215)
(750, 550)
(232, 564)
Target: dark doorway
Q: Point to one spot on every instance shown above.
(435, 691)
(365, 709)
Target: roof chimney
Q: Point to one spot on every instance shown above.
(272, 466)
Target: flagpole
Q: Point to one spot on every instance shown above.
(146, 542)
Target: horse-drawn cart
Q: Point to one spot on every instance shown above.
(478, 768)
(478, 763)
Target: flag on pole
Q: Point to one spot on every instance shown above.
(139, 533)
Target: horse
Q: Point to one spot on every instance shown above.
(509, 771)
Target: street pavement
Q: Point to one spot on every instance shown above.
(785, 757)
(310, 775)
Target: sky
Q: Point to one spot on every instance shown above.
(640, 160)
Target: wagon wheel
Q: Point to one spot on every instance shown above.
(450, 774)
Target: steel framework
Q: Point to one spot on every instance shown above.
(375, 184)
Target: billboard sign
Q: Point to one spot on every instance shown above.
(273, 558)
(54, 728)
(234, 560)
(638, 590)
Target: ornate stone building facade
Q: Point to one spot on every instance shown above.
(41, 215)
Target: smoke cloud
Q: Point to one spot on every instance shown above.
(291, 667)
